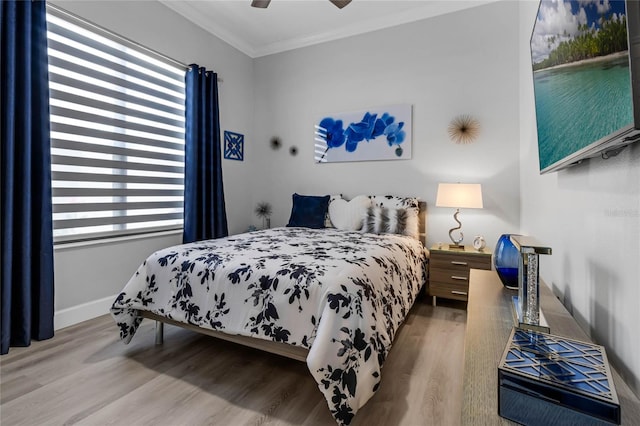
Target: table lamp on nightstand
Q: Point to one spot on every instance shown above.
(459, 196)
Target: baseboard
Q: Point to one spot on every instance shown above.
(86, 311)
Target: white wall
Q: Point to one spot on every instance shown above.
(89, 275)
(86, 275)
(590, 216)
(461, 63)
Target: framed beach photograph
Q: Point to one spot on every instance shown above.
(382, 133)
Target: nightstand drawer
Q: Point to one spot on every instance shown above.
(450, 276)
(457, 291)
(460, 261)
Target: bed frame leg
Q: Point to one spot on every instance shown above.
(159, 332)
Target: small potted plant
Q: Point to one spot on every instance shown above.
(263, 210)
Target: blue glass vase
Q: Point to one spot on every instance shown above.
(506, 259)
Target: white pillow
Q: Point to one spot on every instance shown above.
(327, 220)
(410, 204)
(347, 215)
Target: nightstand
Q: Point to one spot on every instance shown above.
(449, 270)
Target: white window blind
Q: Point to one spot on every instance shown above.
(117, 133)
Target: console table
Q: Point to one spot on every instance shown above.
(489, 322)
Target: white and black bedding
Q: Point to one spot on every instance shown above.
(342, 295)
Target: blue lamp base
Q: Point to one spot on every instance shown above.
(506, 258)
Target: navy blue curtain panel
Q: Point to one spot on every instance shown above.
(25, 163)
(204, 209)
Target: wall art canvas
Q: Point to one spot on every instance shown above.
(581, 78)
(374, 134)
(233, 146)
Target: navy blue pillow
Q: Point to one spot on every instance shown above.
(309, 211)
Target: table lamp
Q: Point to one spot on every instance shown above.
(459, 196)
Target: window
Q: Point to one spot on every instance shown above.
(117, 133)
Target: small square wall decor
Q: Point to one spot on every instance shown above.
(233, 146)
(374, 134)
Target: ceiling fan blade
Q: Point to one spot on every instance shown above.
(340, 3)
(262, 4)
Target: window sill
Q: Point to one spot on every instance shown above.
(102, 241)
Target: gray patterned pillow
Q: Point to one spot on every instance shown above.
(409, 204)
(382, 220)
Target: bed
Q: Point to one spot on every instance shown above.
(331, 297)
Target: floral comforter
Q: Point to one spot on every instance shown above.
(342, 295)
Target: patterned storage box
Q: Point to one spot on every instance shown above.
(550, 380)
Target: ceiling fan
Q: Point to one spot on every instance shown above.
(263, 4)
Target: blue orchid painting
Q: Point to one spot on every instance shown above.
(334, 134)
(368, 128)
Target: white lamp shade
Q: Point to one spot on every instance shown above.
(459, 195)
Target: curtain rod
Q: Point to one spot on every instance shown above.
(118, 36)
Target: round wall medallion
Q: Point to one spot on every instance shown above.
(464, 129)
(275, 143)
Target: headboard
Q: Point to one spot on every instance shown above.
(422, 222)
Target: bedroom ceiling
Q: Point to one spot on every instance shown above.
(287, 24)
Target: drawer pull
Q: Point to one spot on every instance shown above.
(455, 262)
(455, 277)
(460, 293)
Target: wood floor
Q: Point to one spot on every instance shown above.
(86, 376)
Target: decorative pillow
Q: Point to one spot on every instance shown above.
(410, 204)
(327, 219)
(308, 211)
(381, 220)
(347, 215)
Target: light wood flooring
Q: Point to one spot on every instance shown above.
(86, 376)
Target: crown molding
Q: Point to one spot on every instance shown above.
(428, 10)
(187, 11)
